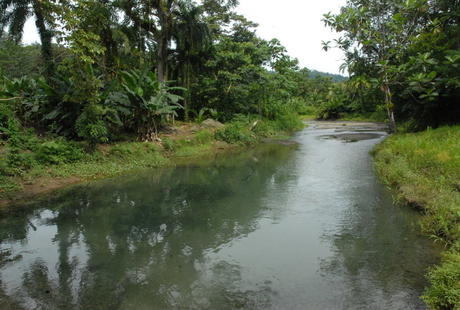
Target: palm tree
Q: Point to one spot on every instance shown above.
(158, 18)
(14, 14)
(192, 37)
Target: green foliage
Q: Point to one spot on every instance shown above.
(91, 127)
(425, 167)
(59, 152)
(403, 55)
(18, 159)
(203, 137)
(444, 292)
(236, 132)
(8, 122)
(285, 117)
(150, 101)
(200, 116)
(168, 145)
(127, 151)
(335, 77)
(18, 60)
(13, 15)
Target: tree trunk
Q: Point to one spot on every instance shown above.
(45, 37)
(389, 107)
(391, 120)
(162, 59)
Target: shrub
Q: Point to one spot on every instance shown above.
(17, 163)
(168, 145)
(203, 137)
(8, 123)
(236, 133)
(265, 128)
(59, 152)
(285, 117)
(288, 121)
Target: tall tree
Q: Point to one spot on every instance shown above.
(14, 14)
(158, 18)
(192, 39)
(376, 35)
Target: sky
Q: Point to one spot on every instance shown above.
(295, 23)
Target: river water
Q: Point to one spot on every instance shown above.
(278, 226)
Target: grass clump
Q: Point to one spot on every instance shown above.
(444, 292)
(133, 149)
(201, 141)
(425, 168)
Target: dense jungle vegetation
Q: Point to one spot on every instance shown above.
(112, 71)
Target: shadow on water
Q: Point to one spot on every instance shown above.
(273, 227)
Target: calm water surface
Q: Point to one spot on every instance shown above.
(302, 226)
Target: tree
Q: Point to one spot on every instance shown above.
(193, 39)
(18, 60)
(14, 14)
(377, 33)
(159, 18)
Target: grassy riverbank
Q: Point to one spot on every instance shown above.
(425, 168)
(36, 165)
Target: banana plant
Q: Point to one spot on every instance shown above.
(151, 102)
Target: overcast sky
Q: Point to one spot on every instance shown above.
(298, 26)
(296, 23)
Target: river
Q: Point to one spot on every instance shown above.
(301, 225)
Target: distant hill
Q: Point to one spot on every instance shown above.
(335, 77)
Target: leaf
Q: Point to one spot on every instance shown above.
(52, 115)
(399, 18)
(129, 80)
(432, 75)
(113, 117)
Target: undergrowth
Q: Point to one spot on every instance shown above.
(425, 167)
(25, 158)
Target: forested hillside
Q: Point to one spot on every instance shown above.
(335, 77)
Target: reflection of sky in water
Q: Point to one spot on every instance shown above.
(278, 227)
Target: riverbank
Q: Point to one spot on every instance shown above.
(425, 168)
(42, 165)
(107, 160)
(176, 143)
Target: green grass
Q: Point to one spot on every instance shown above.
(57, 158)
(33, 158)
(425, 168)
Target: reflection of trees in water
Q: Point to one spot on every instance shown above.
(140, 239)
